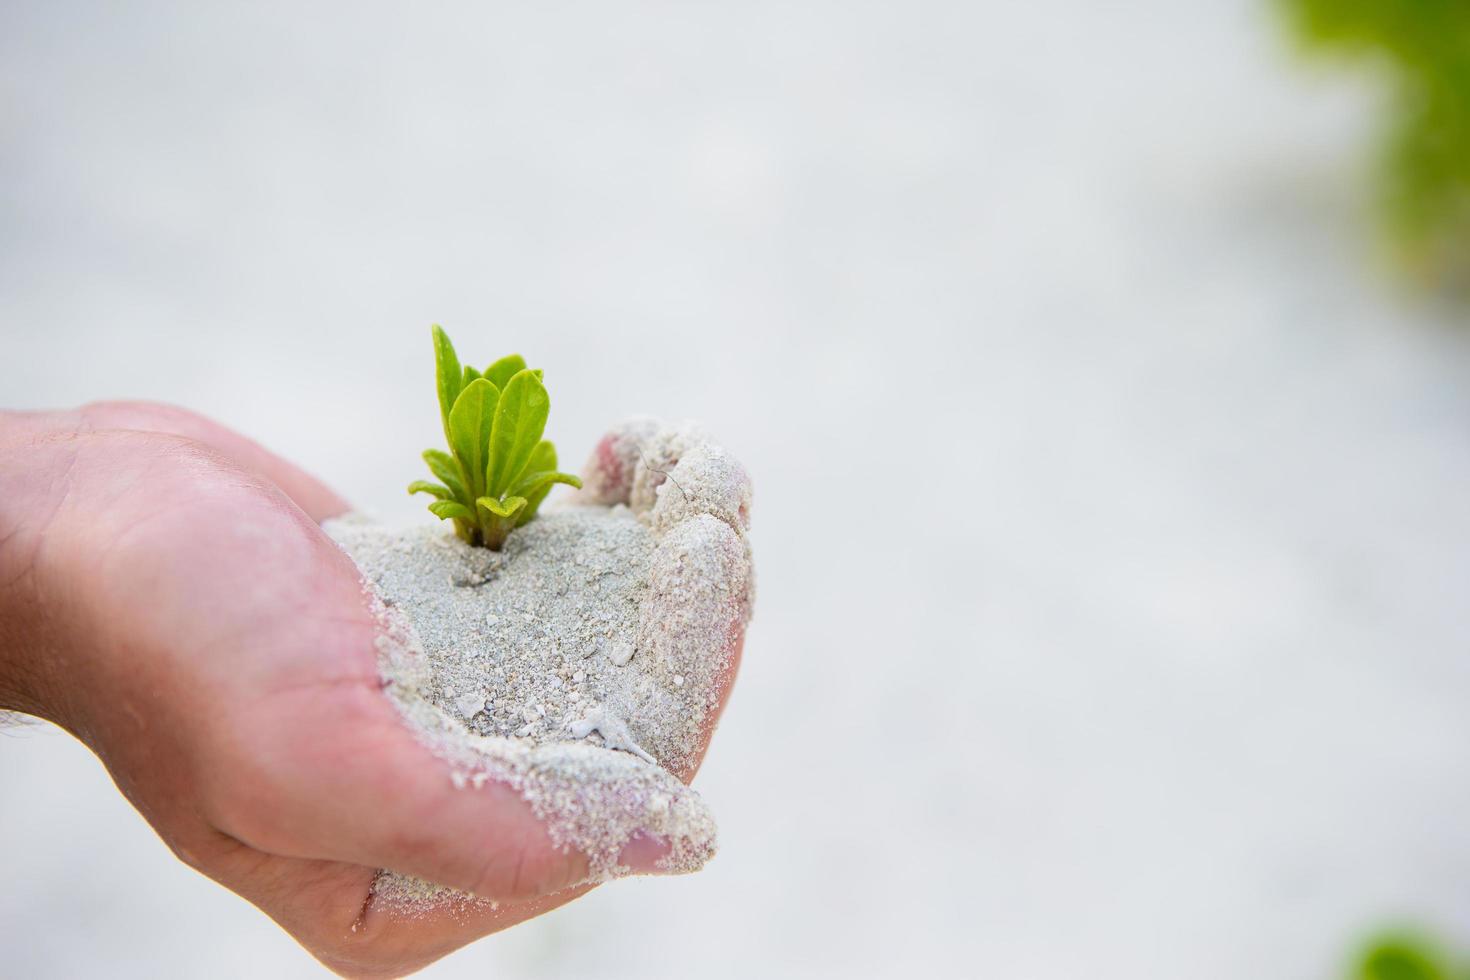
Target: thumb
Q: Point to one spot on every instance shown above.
(503, 826)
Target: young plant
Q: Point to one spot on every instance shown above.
(498, 469)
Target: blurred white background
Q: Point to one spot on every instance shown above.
(1111, 516)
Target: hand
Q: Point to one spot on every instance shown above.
(167, 596)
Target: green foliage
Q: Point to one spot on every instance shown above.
(1426, 43)
(1401, 956)
(499, 469)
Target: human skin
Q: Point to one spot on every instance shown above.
(168, 597)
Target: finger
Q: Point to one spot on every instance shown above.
(635, 460)
(697, 498)
(376, 796)
(691, 625)
(607, 477)
(703, 479)
(724, 684)
(305, 490)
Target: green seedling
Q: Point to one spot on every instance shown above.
(498, 469)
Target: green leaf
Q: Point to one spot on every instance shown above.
(442, 465)
(502, 508)
(542, 480)
(470, 423)
(424, 486)
(535, 486)
(470, 374)
(543, 460)
(504, 369)
(450, 378)
(520, 418)
(451, 509)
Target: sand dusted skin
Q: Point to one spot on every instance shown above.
(582, 664)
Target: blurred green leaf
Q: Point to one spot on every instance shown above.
(1403, 957)
(443, 465)
(1426, 161)
(451, 508)
(424, 486)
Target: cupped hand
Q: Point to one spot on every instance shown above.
(167, 595)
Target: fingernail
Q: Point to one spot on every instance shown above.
(645, 854)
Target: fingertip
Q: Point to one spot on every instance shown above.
(705, 480)
(607, 477)
(645, 854)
